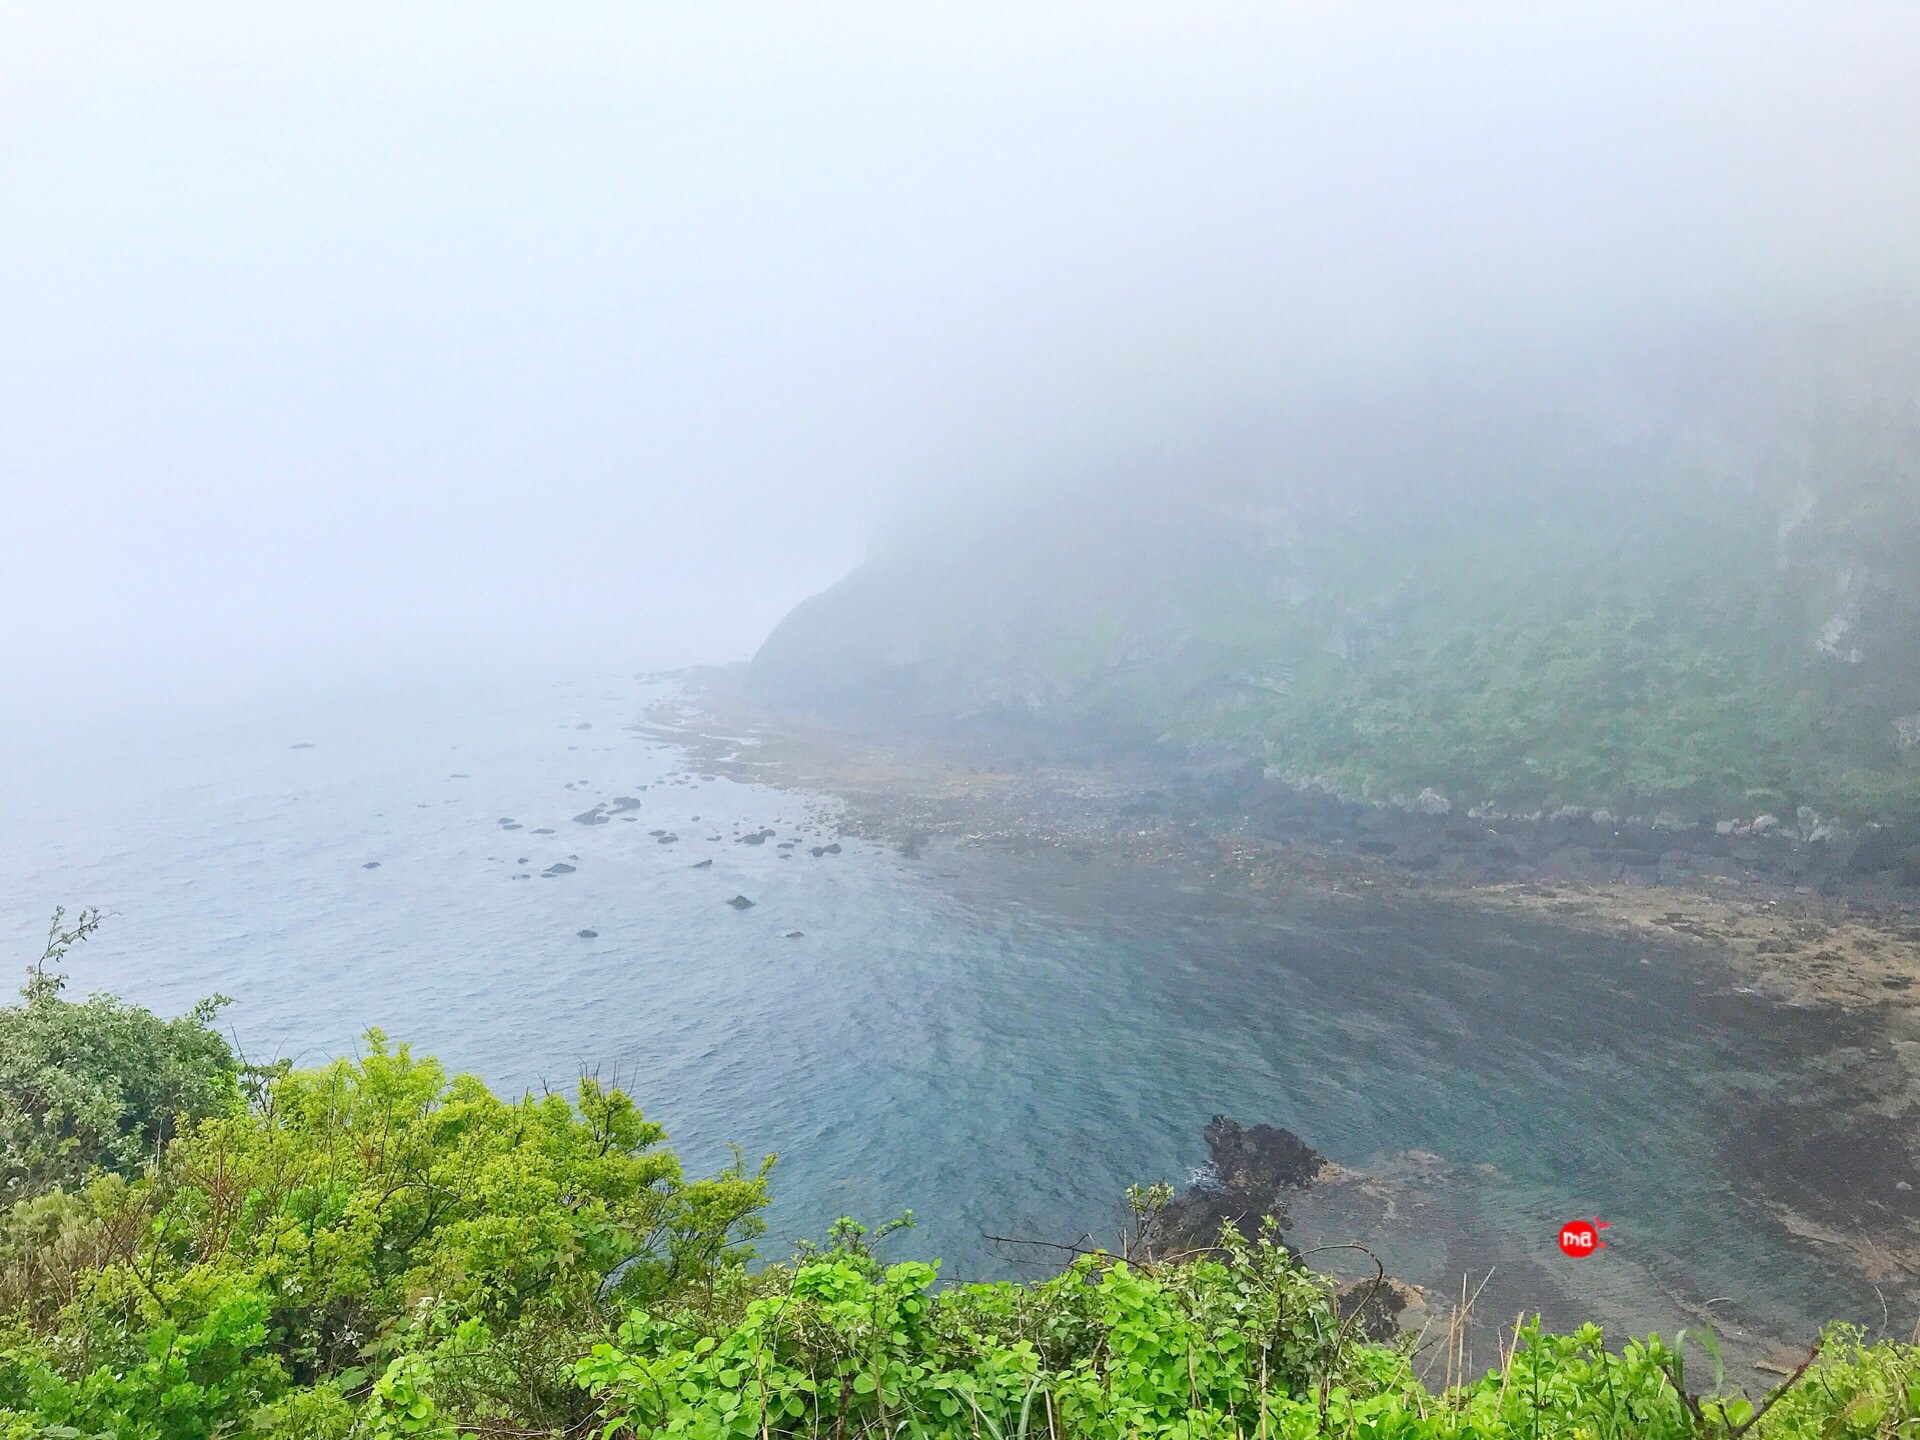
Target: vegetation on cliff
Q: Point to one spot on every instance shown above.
(374, 1248)
(1694, 588)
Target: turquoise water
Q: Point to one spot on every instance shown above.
(1000, 1044)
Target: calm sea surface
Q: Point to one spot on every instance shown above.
(1002, 1045)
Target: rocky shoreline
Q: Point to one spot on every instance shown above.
(1809, 913)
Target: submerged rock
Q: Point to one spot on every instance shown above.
(588, 934)
(740, 902)
(371, 865)
(1375, 1306)
(559, 867)
(595, 816)
(702, 865)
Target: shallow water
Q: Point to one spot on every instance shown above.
(1001, 1044)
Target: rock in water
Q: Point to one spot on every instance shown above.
(795, 934)
(1374, 1307)
(702, 865)
(595, 816)
(588, 934)
(740, 902)
(371, 865)
(1252, 1169)
(559, 867)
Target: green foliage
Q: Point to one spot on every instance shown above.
(99, 1084)
(362, 1250)
(1245, 1346)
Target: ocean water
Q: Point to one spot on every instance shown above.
(1000, 1044)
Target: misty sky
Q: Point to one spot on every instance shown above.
(343, 340)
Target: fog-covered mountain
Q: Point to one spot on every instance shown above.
(1684, 578)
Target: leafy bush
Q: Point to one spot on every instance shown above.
(1241, 1347)
(98, 1085)
(304, 1260)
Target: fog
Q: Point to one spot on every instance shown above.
(347, 343)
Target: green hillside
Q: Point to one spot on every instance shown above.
(1710, 611)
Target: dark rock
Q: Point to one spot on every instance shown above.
(833, 848)
(559, 867)
(626, 802)
(666, 840)
(1880, 847)
(1261, 1156)
(1252, 1169)
(795, 934)
(740, 902)
(595, 816)
(371, 865)
(817, 851)
(511, 825)
(1910, 865)
(702, 865)
(301, 745)
(1374, 1306)
(588, 934)
(540, 832)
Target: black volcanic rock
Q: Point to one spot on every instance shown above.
(1253, 1169)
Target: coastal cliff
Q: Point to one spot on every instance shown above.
(1696, 622)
